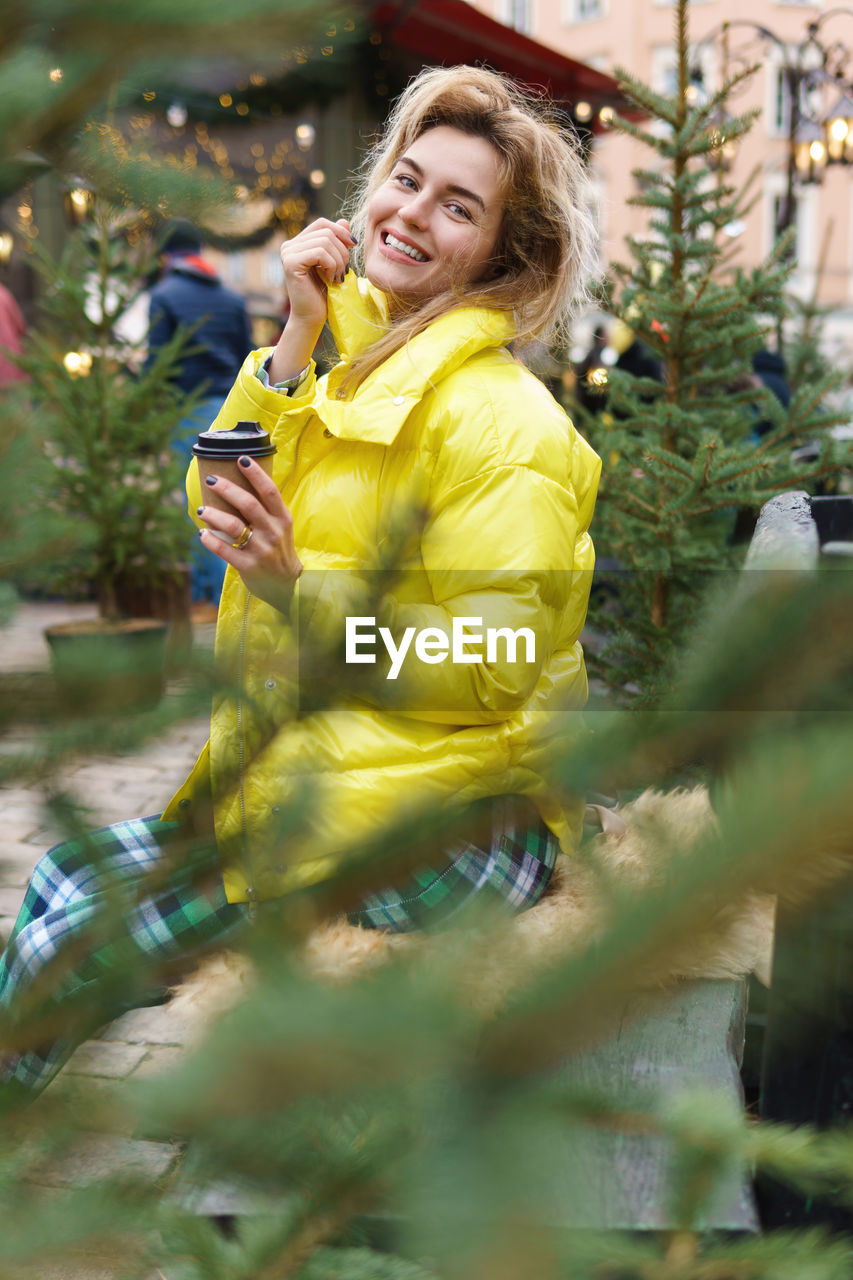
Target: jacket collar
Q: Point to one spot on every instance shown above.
(192, 264)
(358, 314)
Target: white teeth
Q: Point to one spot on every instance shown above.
(405, 248)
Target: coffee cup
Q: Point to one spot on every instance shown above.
(217, 454)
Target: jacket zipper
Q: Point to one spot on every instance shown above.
(241, 756)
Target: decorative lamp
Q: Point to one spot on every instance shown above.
(809, 152)
(839, 132)
(78, 201)
(724, 148)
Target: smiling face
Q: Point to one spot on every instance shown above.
(434, 223)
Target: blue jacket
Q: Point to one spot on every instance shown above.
(191, 291)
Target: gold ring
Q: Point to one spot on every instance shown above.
(244, 538)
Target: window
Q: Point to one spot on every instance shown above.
(804, 222)
(517, 14)
(273, 270)
(664, 70)
(781, 103)
(778, 99)
(778, 211)
(584, 10)
(236, 267)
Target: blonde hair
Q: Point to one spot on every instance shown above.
(545, 253)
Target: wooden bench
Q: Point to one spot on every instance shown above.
(807, 1059)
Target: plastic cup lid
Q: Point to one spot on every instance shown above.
(246, 437)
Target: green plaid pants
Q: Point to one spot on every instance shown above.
(125, 899)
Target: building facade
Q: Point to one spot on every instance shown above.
(638, 35)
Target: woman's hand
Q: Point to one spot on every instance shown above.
(317, 257)
(267, 560)
(312, 261)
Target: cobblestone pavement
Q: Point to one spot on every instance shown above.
(146, 1040)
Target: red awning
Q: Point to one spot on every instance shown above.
(452, 31)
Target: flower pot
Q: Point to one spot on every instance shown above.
(106, 667)
(168, 599)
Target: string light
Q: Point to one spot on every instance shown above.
(56, 74)
(583, 111)
(79, 199)
(272, 168)
(77, 363)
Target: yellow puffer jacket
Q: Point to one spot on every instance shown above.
(454, 463)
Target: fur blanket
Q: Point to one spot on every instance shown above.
(731, 940)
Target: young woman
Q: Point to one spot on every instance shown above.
(428, 440)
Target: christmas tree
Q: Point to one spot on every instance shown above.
(680, 451)
(107, 422)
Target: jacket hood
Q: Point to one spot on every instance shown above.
(358, 315)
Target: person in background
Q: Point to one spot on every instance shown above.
(190, 292)
(11, 332)
(770, 372)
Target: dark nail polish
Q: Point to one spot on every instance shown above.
(211, 480)
(244, 461)
(346, 272)
(352, 237)
(199, 510)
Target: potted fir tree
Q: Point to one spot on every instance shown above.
(679, 430)
(107, 422)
